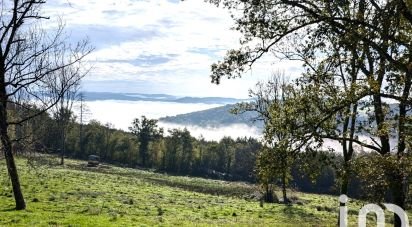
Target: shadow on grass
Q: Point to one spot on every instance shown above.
(8, 209)
(225, 190)
(298, 212)
(217, 188)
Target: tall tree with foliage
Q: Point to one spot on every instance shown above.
(28, 56)
(378, 30)
(146, 131)
(179, 151)
(332, 85)
(278, 104)
(187, 151)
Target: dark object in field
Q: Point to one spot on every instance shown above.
(93, 161)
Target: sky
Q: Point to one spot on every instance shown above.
(157, 46)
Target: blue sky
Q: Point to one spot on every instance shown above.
(157, 46)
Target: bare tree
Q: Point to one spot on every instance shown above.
(29, 57)
(83, 112)
(69, 78)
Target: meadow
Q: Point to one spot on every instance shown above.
(76, 195)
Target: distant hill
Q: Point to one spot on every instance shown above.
(95, 96)
(213, 117)
(221, 116)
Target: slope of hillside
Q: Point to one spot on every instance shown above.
(215, 117)
(221, 116)
(75, 195)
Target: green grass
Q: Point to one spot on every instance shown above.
(75, 195)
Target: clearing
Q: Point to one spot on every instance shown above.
(75, 195)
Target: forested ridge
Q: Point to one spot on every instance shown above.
(215, 117)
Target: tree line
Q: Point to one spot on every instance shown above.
(176, 151)
(147, 146)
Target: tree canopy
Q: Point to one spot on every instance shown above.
(357, 61)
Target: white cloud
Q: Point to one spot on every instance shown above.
(157, 42)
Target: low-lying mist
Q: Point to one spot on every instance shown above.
(121, 114)
(217, 133)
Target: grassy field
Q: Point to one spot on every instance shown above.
(75, 195)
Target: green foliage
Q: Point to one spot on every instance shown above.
(371, 170)
(278, 105)
(273, 167)
(214, 117)
(356, 60)
(179, 153)
(146, 131)
(378, 172)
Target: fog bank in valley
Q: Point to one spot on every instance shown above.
(217, 133)
(121, 113)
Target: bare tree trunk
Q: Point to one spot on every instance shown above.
(12, 170)
(29, 63)
(5, 140)
(81, 139)
(345, 182)
(268, 197)
(344, 186)
(61, 125)
(396, 182)
(285, 198)
(63, 147)
(398, 199)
